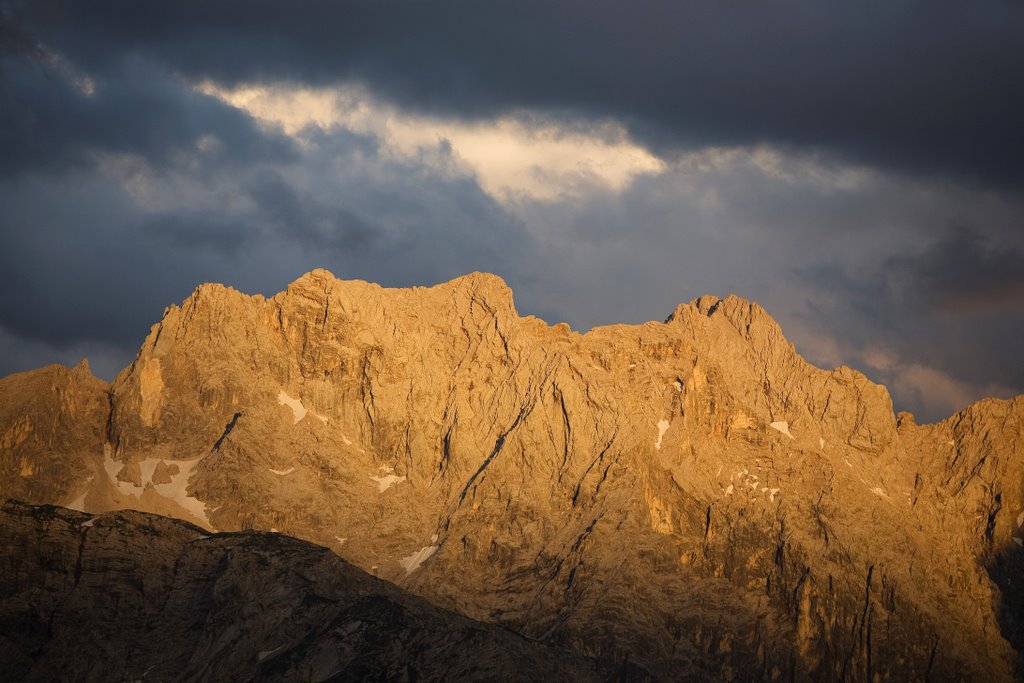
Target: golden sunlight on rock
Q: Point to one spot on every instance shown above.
(696, 472)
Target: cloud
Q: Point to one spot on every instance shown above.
(964, 275)
(16, 40)
(54, 118)
(922, 87)
(524, 156)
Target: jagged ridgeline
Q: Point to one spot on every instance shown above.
(677, 500)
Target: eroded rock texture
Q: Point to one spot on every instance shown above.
(680, 500)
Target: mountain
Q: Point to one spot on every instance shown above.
(134, 596)
(682, 500)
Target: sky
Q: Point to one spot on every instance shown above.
(855, 168)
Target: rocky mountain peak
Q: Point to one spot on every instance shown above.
(690, 497)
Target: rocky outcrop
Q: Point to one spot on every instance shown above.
(687, 499)
(133, 596)
(53, 423)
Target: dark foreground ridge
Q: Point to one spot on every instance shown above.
(134, 596)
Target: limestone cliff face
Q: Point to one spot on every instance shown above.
(689, 499)
(53, 423)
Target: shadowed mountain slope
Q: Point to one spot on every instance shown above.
(134, 596)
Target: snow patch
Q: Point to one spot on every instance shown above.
(148, 467)
(282, 472)
(662, 428)
(781, 426)
(1018, 541)
(821, 443)
(678, 385)
(113, 468)
(385, 482)
(771, 494)
(1020, 519)
(79, 503)
(175, 490)
(745, 478)
(298, 410)
(413, 562)
(88, 524)
(339, 539)
(879, 491)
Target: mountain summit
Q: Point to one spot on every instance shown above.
(682, 500)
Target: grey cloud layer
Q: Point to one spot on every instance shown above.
(926, 86)
(48, 122)
(964, 274)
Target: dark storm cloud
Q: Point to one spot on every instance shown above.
(296, 211)
(927, 86)
(965, 274)
(52, 118)
(959, 280)
(15, 39)
(198, 231)
(75, 267)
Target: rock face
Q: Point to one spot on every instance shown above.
(685, 500)
(132, 596)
